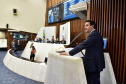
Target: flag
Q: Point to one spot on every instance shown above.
(44, 35)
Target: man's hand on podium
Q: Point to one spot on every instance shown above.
(64, 53)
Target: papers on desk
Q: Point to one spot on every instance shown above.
(59, 51)
(76, 55)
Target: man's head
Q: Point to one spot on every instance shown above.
(52, 37)
(89, 26)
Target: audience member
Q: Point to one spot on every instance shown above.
(63, 41)
(18, 45)
(43, 40)
(57, 41)
(52, 40)
(48, 41)
(13, 45)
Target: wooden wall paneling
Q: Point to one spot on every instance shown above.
(49, 3)
(73, 24)
(53, 2)
(107, 19)
(111, 27)
(57, 25)
(105, 7)
(120, 39)
(122, 32)
(102, 18)
(46, 15)
(75, 34)
(92, 11)
(98, 9)
(89, 8)
(117, 38)
(58, 1)
(114, 31)
(79, 30)
(117, 32)
(71, 29)
(8, 41)
(124, 25)
(88, 11)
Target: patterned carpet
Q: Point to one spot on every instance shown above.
(9, 77)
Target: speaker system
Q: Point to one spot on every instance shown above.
(7, 25)
(15, 11)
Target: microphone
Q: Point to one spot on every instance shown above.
(73, 40)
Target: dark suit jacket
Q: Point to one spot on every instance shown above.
(63, 42)
(94, 57)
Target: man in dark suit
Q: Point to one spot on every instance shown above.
(94, 58)
(18, 45)
(63, 41)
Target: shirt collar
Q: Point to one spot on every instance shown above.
(92, 31)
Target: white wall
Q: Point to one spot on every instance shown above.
(49, 32)
(66, 27)
(30, 14)
(2, 34)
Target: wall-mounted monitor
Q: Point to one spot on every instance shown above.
(105, 42)
(60, 11)
(68, 14)
(55, 13)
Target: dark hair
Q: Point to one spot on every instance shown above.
(33, 47)
(92, 23)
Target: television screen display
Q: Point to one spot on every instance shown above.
(60, 11)
(105, 42)
(68, 14)
(55, 13)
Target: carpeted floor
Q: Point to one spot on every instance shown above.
(9, 77)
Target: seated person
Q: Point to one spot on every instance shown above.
(43, 40)
(13, 45)
(48, 41)
(38, 39)
(52, 40)
(63, 41)
(57, 41)
(18, 45)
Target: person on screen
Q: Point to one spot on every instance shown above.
(33, 51)
(63, 41)
(93, 60)
(51, 17)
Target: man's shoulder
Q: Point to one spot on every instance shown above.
(95, 32)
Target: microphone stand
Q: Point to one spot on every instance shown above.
(67, 46)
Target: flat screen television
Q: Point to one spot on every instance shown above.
(68, 14)
(60, 11)
(105, 42)
(55, 13)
